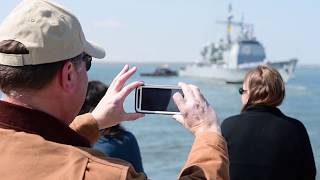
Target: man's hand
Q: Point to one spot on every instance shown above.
(196, 113)
(110, 111)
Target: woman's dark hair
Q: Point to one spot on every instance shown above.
(95, 92)
(265, 86)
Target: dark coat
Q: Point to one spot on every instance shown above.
(263, 143)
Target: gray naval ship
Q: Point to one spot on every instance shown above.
(229, 60)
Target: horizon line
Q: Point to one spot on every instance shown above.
(178, 62)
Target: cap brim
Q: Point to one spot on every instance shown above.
(94, 50)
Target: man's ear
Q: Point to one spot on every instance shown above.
(67, 78)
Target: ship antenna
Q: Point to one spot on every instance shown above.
(242, 24)
(229, 24)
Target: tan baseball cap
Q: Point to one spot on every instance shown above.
(48, 31)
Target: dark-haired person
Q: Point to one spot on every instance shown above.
(263, 143)
(114, 141)
(44, 59)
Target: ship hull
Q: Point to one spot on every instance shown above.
(234, 75)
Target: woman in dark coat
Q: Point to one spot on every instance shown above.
(263, 143)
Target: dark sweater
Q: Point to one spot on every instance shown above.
(263, 143)
(125, 148)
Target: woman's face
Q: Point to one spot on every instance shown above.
(245, 95)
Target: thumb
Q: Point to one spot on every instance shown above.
(178, 99)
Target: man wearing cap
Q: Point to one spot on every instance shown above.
(44, 59)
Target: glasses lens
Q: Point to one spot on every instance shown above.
(241, 91)
(87, 59)
(88, 65)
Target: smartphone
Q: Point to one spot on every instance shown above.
(156, 99)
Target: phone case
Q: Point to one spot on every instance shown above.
(138, 99)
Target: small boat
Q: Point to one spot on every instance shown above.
(163, 70)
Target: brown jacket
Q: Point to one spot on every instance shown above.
(31, 147)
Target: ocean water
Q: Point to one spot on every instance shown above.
(164, 144)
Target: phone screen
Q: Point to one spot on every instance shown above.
(158, 99)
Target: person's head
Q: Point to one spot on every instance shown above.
(95, 92)
(43, 52)
(262, 85)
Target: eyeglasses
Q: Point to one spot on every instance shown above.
(87, 59)
(242, 91)
(82, 57)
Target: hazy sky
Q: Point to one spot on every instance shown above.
(176, 30)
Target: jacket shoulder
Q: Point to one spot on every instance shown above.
(42, 159)
(230, 119)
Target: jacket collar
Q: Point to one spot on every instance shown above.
(33, 121)
(264, 108)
